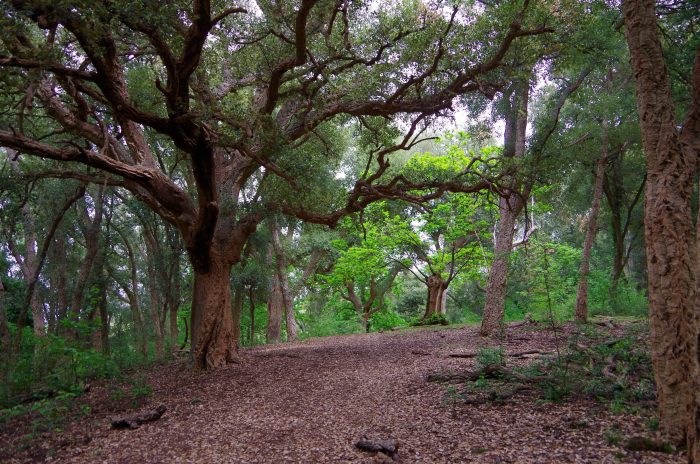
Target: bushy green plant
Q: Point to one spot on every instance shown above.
(335, 318)
(386, 319)
(434, 319)
(488, 356)
(52, 365)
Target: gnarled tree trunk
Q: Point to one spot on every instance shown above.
(213, 335)
(581, 313)
(437, 293)
(668, 227)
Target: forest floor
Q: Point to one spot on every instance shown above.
(311, 401)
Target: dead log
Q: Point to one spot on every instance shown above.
(135, 420)
(389, 448)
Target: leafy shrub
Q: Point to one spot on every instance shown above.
(434, 319)
(487, 357)
(386, 320)
(331, 320)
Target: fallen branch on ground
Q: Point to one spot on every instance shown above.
(135, 420)
(491, 371)
(512, 355)
(387, 447)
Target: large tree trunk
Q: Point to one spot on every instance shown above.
(668, 227)
(509, 209)
(581, 314)
(437, 291)
(213, 336)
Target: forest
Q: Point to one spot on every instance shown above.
(350, 231)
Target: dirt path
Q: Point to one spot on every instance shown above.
(309, 402)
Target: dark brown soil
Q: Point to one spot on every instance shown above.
(309, 402)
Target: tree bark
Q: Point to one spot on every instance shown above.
(509, 208)
(581, 313)
(668, 227)
(213, 335)
(437, 291)
(494, 307)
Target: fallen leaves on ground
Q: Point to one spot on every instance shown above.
(311, 401)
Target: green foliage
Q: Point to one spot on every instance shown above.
(434, 319)
(615, 372)
(133, 391)
(260, 332)
(488, 357)
(335, 318)
(386, 320)
(51, 365)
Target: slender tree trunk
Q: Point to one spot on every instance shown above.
(92, 244)
(494, 307)
(5, 340)
(283, 282)
(668, 227)
(435, 303)
(104, 321)
(174, 302)
(237, 308)
(274, 310)
(612, 187)
(251, 335)
(59, 278)
(132, 292)
(152, 249)
(509, 209)
(581, 314)
(290, 318)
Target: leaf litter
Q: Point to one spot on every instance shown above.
(312, 401)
